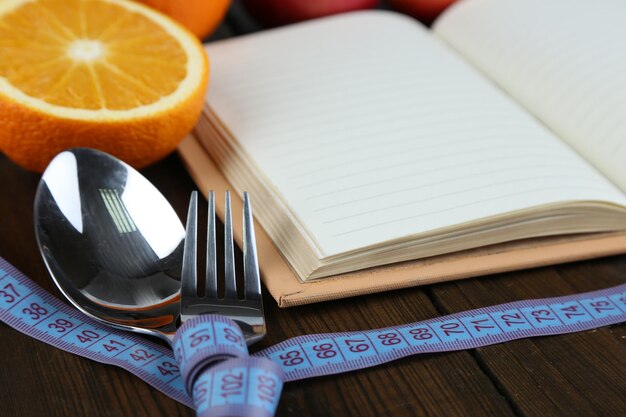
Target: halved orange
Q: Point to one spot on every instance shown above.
(108, 74)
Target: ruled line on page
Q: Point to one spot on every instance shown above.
(431, 198)
(335, 176)
(305, 141)
(317, 114)
(361, 166)
(410, 140)
(456, 207)
(268, 112)
(377, 194)
(370, 184)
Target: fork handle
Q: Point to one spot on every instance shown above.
(219, 374)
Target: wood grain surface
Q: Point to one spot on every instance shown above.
(581, 374)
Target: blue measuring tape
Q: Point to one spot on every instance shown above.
(30, 309)
(220, 375)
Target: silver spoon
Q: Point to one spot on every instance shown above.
(114, 247)
(111, 242)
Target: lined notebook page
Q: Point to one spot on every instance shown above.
(564, 60)
(371, 130)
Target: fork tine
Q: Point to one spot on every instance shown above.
(230, 283)
(211, 255)
(248, 312)
(252, 279)
(189, 270)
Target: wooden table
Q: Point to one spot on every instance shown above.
(582, 374)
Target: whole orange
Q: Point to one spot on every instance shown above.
(201, 17)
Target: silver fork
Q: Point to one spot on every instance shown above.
(246, 312)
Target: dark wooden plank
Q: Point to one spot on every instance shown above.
(39, 380)
(577, 374)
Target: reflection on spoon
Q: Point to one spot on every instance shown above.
(111, 241)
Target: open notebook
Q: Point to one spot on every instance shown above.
(371, 145)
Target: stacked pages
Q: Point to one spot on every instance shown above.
(367, 140)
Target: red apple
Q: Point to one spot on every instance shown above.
(281, 12)
(424, 10)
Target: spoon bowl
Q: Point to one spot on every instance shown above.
(111, 242)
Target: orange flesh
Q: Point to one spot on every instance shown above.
(82, 57)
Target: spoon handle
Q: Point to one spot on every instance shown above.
(219, 374)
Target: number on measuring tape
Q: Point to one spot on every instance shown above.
(355, 345)
(266, 389)
(167, 368)
(9, 293)
(419, 335)
(450, 331)
(322, 352)
(541, 316)
(164, 369)
(12, 292)
(387, 340)
(199, 337)
(228, 387)
(140, 355)
(112, 344)
(201, 394)
(511, 320)
(33, 311)
(480, 325)
(601, 307)
(57, 324)
(293, 357)
(571, 312)
(228, 333)
(87, 335)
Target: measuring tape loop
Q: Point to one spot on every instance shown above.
(247, 387)
(219, 373)
(33, 311)
(205, 340)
